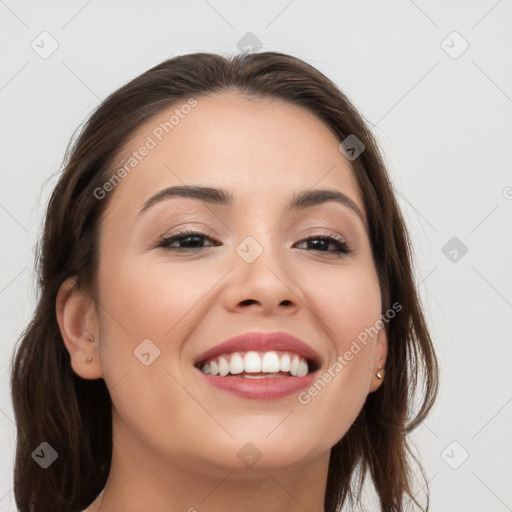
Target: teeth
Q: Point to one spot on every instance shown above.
(264, 365)
(294, 367)
(285, 363)
(214, 368)
(261, 375)
(223, 366)
(236, 364)
(252, 362)
(270, 363)
(303, 369)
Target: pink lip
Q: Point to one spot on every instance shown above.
(260, 342)
(266, 388)
(260, 389)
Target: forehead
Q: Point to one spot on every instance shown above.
(261, 149)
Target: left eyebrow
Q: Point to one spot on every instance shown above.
(313, 197)
(301, 200)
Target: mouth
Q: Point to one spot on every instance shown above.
(259, 366)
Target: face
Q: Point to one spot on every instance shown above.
(252, 265)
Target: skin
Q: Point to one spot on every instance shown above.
(176, 438)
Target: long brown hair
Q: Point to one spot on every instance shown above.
(74, 415)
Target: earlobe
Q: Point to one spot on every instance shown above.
(78, 323)
(381, 352)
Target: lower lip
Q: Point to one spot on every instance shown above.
(259, 389)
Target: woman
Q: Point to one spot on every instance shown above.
(228, 318)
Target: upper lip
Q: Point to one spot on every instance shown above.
(261, 342)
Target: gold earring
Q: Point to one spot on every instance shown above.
(89, 359)
(380, 372)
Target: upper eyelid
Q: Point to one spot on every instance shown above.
(183, 233)
(210, 234)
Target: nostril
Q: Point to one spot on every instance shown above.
(286, 302)
(247, 302)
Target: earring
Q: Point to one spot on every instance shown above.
(89, 359)
(380, 372)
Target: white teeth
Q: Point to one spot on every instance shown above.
(223, 366)
(294, 367)
(214, 368)
(303, 369)
(270, 363)
(236, 364)
(285, 363)
(259, 365)
(252, 362)
(262, 375)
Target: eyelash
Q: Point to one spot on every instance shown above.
(342, 246)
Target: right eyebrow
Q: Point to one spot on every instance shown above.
(206, 194)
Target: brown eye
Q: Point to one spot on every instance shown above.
(321, 243)
(186, 240)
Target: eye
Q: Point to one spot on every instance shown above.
(190, 240)
(321, 243)
(185, 240)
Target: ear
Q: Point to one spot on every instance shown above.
(379, 359)
(78, 323)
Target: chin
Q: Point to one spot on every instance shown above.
(259, 453)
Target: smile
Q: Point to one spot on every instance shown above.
(257, 365)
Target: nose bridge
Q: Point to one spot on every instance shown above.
(260, 274)
(256, 227)
(258, 253)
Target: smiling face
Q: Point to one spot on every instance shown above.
(252, 265)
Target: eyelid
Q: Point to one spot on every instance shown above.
(343, 246)
(319, 231)
(184, 231)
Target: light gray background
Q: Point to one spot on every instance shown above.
(444, 125)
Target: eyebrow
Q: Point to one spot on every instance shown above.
(301, 200)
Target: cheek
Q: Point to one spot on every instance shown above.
(157, 301)
(348, 303)
(346, 300)
(151, 300)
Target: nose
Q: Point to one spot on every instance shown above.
(264, 286)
